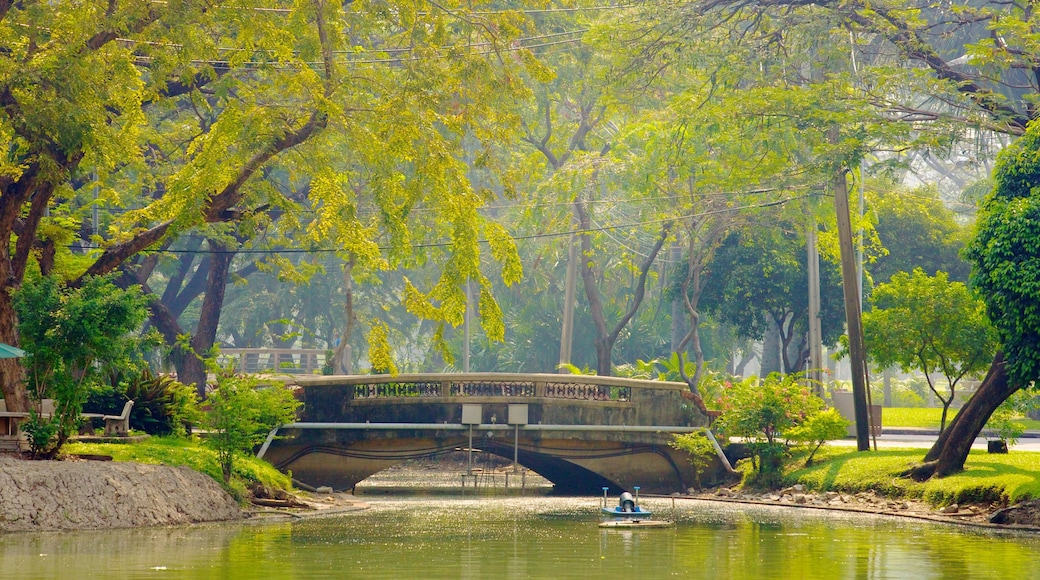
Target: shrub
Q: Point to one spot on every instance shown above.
(759, 411)
(162, 405)
(241, 413)
(701, 451)
(817, 430)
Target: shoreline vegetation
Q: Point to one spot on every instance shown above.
(995, 490)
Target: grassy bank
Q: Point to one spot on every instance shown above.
(190, 453)
(929, 418)
(987, 477)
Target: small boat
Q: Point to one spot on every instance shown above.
(627, 507)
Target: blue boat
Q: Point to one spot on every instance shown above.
(627, 507)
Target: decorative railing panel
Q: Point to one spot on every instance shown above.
(394, 389)
(587, 392)
(492, 389)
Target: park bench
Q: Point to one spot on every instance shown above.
(115, 425)
(10, 437)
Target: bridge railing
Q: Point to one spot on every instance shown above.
(274, 360)
(517, 386)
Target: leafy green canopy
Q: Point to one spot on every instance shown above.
(1006, 256)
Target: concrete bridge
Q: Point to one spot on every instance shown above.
(580, 432)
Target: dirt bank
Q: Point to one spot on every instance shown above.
(73, 495)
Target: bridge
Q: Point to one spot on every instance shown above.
(580, 432)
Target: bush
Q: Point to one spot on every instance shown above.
(241, 414)
(817, 430)
(701, 451)
(162, 405)
(759, 411)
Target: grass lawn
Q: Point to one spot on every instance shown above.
(986, 477)
(928, 418)
(177, 451)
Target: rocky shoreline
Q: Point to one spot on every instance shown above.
(1022, 517)
(76, 495)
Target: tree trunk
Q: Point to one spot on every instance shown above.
(950, 451)
(15, 395)
(209, 318)
(770, 351)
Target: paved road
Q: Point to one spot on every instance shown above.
(924, 439)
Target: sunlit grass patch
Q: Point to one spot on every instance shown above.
(987, 477)
(929, 418)
(191, 453)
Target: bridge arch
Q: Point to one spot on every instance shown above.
(583, 432)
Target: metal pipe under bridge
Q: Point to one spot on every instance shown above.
(580, 432)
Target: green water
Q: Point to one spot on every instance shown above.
(534, 538)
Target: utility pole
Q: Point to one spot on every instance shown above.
(815, 330)
(567, 333)
(850, 286)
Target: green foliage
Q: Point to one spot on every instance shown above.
(162, 405)
(75, 337)
(917, 231)
(241, 414)
(1006, 420)
(190, 452)
(329, 368)
(760, 284)
(701, 450)
(760, 412)
(41, 433)
(380, 354)
(929, 324)
(817, 430)
(574, 370)
(1006, 257)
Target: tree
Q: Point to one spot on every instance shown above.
(929, 324)
(74, 337)
(173, 115)
(761, 285)
(917, 231)
(241, 414)
(1005, 253)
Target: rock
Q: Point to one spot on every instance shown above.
(67, 495)
(950, 509)
(798, 487)
(323, 489)
(800, 498)
(1026, 513)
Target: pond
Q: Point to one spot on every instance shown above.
(533, 537)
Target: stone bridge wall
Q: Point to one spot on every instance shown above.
(552, 399)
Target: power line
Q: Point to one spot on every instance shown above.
(430, 245)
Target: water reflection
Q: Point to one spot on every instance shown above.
(533, 538)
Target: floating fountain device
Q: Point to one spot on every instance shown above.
(628, 513)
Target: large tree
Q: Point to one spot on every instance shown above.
(169, 113)
(952, 74)
(1006, 270)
